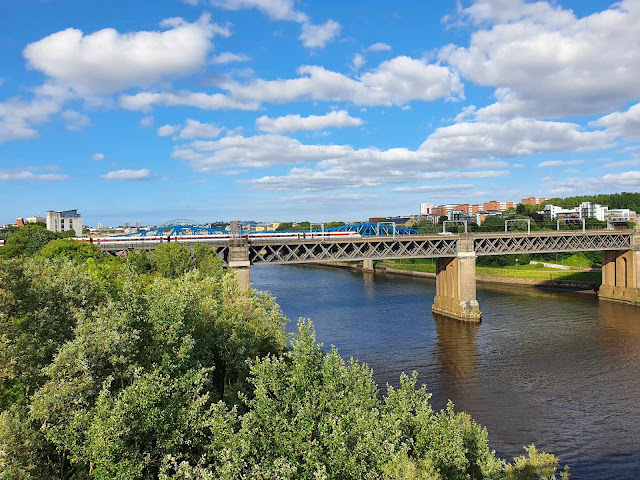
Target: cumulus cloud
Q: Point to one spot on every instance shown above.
(559, 163)
(192, 129)
(317, 36)
(378, 47)
(144, 101)
(108, 61)
(622, 124)
(274, 9)
(98, 156)
(468, 146)
(294, 123)
(18, 116)
(312, 36)
(28, 173)
(147, 121)
(460, 187)
(228, 57)
(76, 121)
(358, 61)
(611, 182)
(546, 62)
(394, 82)
(125, 174)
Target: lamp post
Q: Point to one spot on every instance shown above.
(517, 260)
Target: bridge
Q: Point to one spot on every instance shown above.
(455, 256)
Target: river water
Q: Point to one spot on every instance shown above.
(560, 370)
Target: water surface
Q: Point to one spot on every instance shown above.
(558, 370)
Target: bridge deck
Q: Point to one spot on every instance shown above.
(413, 246)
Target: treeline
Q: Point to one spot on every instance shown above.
(159, 366)
(629, 200)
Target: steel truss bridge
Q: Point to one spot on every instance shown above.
(185, 227)
(287, 250)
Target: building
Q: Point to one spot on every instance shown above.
(32, 220)
(594, 210)
(20, 222)
(64, 221)
(497, 206)
(425, 209)
(532, 201)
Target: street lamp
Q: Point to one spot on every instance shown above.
(517, 263)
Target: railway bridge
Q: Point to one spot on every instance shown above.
(455, 256)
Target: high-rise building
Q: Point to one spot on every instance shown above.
(100, 226)
(532, 201)
(64, 221)
(425, 209)
(138, 224)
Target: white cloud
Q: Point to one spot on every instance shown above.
(195, 129)
(467, 146)
(98, 156)
(228, 57)
(147, 121)
(394, 82)
(144, 101)
(623, 163)
(559, 163)
(622, 124)
(192, 129)
(27, 173)
(76, 121)
(545, 62)
(124, 174)
(274, 9)
(378, 47)
(108, 61)
(611, 182)
(166, 130)
(358, 61)
(317, 36)
(435, 188)
(18, 116)
(294, 123)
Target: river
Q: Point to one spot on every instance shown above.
(559, 370)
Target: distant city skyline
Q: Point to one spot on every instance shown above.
(289, 110)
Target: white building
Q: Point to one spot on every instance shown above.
(64, 221)
(594, 210)
(425, 209)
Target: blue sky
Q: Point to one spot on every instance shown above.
(291, 110)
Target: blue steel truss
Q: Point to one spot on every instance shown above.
(172, 230)
(372, 229)
(365, 229)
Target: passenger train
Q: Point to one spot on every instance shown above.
(216, 238)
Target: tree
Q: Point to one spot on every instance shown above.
(70, 249)
(26, 240)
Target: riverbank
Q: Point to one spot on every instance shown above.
(571, 280)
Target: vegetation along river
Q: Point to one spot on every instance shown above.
(559, 370)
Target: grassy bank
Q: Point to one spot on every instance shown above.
(521, 271)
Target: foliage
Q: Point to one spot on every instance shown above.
(160, 366)
(26, 240)
(427, 227)
(535, 466)
(70, 249)
(629, 200)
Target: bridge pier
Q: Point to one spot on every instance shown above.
(456, 284)
(367, 265)
(238, 259)
(621, 274)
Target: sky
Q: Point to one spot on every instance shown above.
(312, 110)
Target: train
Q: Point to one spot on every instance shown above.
(114, 241)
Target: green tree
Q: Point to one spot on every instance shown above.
(26, 240)
(70, 249)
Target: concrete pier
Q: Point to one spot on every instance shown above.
(367, 266)
(456, 284)
(621, 274)
(238, 259)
